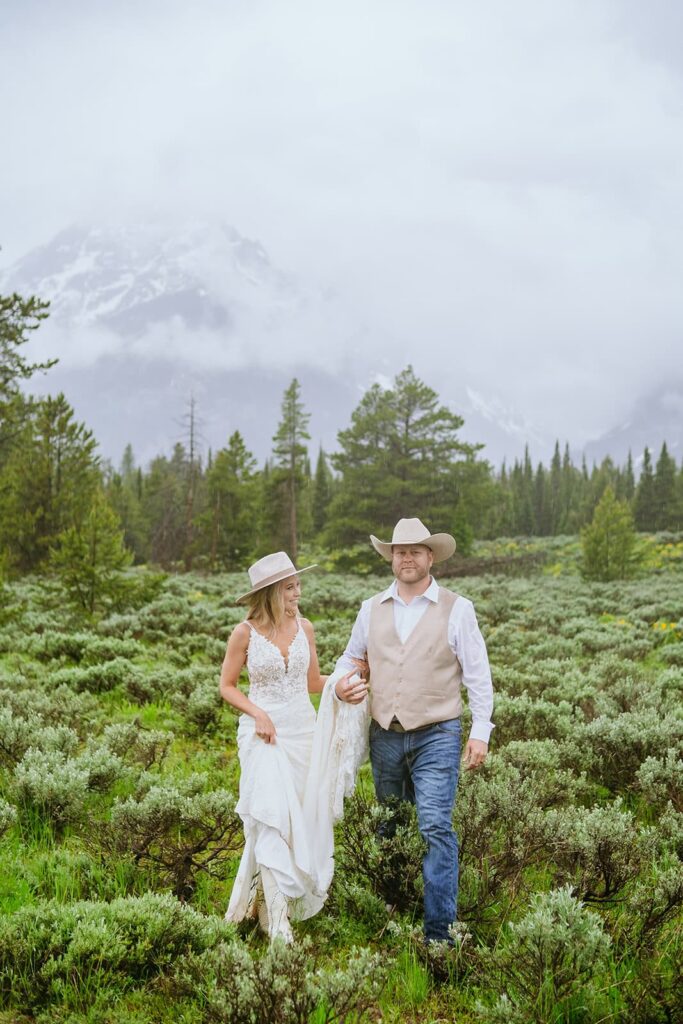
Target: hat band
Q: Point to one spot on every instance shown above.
(275, 578)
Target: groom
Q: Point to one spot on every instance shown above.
(422, 642)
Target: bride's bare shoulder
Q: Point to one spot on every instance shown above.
(240, 634)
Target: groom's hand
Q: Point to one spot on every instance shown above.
(475, 753)
(351, 688)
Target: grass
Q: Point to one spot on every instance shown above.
(38, 865)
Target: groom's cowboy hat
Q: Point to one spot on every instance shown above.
(271, 569)
(411, 531)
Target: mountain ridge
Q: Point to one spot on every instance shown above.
(143, 316)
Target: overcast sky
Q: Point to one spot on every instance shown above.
(497, 186)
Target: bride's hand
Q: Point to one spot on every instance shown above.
(363, 667)
(264, 727)
(351, 688)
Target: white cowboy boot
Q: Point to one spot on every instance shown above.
(277, 906)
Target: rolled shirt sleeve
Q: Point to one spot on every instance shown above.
(469, 647)
(357, 646)
(358, 643)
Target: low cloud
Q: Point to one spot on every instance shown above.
(493, 191)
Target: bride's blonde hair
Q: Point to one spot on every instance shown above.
(267, 606)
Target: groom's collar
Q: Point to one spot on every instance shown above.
(431, 593)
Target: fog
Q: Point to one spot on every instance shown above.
(492, 191)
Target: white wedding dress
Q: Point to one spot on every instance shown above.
(291, 791)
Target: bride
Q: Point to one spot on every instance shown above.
(295, 770)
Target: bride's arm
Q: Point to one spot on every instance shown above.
(316, 682)
(233, 663)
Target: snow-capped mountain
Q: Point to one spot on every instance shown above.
(150, 286)
(143, 317)
(130, 279)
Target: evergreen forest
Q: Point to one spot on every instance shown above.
(401, 455)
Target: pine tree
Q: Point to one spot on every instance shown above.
(542, 509)
(629, 479)
(569, 494)
(501, 522)
(522, 483)
(644, 502)
(228, 525)
(322, 492)
(192, 479)
(49, 479)
(664, 491)
(601, 477)
(88, 557)
(18, 318)
(397, 459)
(609, 542)
(123, 494)
(163, 508)
(678, 507)
(555, 491)
(290, 455)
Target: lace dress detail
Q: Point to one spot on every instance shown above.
(271, 678)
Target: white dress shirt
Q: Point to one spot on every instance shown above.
(464, 639)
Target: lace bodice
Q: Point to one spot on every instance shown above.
(270, 677)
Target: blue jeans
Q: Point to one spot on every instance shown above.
(422, 766)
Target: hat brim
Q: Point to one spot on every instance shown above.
(277, 578)
(442, 546)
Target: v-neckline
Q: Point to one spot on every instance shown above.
(411, 635)
(285, 659)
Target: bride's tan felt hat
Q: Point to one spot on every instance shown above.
(413, 531)
(271, 569)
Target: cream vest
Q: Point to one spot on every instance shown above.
(417, 682)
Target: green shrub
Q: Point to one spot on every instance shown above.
(52, 785)
(45, 947)
(622, 743)
(83, 648)
(60, 705)
(660, 779)
(502, 826)
(599, 850)
(379, 847)
(15, 736)
(132, 743)
(103, 766)
(53, 645)
(26, 708)
(283, 986)
(670, 830)
(95, 678)
(57, 787)
(176, 829)
(654, 901)
(544, 959)
(556, 762)
(203, 706)
(8, 816)
(533, 718)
